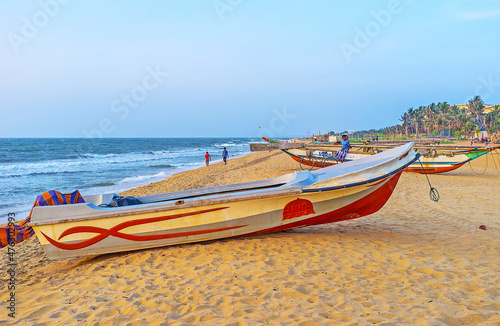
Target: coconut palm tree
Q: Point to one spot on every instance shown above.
(411, 117)
(453, 119)
(464, 120)
(475, 107)
(444, 116)
(430, 117)
(406, 119)
(492, 119)
(418, 115)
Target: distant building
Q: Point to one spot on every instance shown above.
(487, 107)
(333, 139)
(483, 133)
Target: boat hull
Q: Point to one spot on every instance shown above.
(210, 222)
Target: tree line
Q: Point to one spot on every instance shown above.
(445, 120)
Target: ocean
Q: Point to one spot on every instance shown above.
(31, 166)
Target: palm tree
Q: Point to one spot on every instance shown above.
(475, 107)
(453, 115)
(465, 122)
(418, 119)
(444, 115)
(411, 118)
(492, 119)
(470, 127)
(429, 118)
(405, 118)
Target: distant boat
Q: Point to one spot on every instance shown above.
(342, 192)
(434, 158)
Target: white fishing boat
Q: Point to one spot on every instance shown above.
(341, 192)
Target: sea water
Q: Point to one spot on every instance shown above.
(29, 167)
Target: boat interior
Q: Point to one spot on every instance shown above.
(299, 178)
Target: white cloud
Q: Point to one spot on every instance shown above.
(478, 14)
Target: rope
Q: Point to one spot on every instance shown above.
(494, 161)
(484, 168)
(308, 168)
(433, 193)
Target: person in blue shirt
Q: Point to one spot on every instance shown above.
(346, 145)
(345, 142)
(225, 155)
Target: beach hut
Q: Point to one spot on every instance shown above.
(482, 133)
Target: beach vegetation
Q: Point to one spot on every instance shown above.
(441, 120)
(492, 119)
(475, 108)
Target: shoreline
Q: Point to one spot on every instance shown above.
(95, 166)
(123, 187)
(219, 174)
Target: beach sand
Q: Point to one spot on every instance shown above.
(414, 262)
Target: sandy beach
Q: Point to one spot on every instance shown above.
(414, 262)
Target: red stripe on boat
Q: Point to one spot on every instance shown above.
(104, 233)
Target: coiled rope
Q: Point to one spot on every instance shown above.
(433, 193)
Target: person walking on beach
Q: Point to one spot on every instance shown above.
(225, 155)
(208, 158)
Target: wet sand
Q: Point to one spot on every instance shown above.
(414, 262)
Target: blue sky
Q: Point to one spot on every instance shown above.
(238, 67)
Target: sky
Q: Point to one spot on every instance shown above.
(247, 68)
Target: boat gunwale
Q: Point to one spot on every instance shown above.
(168, 207)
